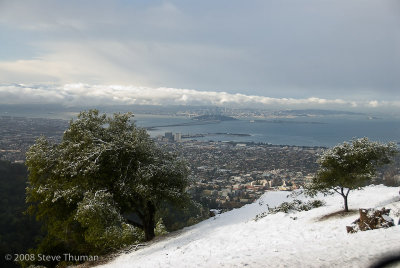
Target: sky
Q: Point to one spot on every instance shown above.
(315, 53)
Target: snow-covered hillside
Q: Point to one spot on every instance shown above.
(300, 239)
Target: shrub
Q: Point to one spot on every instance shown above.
(295, 205)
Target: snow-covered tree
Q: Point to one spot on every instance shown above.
(104, 169)
(349, 166)
(105, 227)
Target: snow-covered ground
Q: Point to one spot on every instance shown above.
(234, 239)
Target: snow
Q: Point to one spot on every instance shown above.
(387, 218)
(298, 239)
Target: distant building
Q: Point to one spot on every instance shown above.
(177, 137)
(169, 136)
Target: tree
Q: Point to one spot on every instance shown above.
(349, 166)
(103, 181)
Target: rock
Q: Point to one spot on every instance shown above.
(352, 229)
(371, 219)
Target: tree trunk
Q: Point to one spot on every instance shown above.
(148, 222)
(346, 207)
(345, 195)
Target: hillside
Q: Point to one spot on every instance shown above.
(301, 239)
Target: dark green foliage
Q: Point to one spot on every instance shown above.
(349, 166)
(105, 180)
(105, 227)
(18, 232)
(175, 218)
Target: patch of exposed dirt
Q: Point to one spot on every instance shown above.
(338, 214)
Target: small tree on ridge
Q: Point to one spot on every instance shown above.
(349, 166)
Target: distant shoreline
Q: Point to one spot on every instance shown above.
(279, 121)
(190, 136)
(195, 123)
(207, 122)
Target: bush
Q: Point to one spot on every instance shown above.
(295, 205)
(160, 228)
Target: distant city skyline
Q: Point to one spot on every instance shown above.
(302, 54)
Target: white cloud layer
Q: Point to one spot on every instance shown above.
(103, 95)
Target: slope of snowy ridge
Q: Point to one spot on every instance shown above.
(234, 239)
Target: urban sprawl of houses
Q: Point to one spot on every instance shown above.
(224, 175)
(228, 175)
